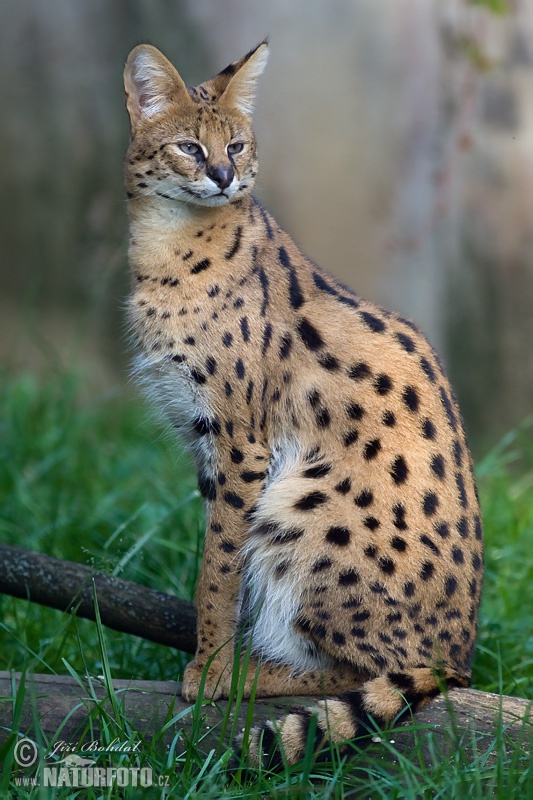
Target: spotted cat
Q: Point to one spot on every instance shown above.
(343, 529)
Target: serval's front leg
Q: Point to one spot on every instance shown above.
(237, 487)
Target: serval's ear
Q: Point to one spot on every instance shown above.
(238, 82)
(152, 84)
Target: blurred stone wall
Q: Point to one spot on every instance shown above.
(396, 142)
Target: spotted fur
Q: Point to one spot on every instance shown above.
(343, 530)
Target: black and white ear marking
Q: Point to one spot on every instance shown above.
(241, 89)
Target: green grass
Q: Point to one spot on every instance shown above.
(98, 482)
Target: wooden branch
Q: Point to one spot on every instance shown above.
(123, 605)
(52, 702)
(55, 704)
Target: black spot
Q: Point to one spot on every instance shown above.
(371, 523)
(409, 589)
(319, 471)
(249, 392)
(461, 491)
(398, 544)
(371, 449)
(399, 470)
(202, 426)
(443, 529)
(321, 284)
(190, 340)
(205, 263)
(350, 437)
(338, 638)
(296, 298)
(287, 535)
(359, 616)
(411, 399)
(236, 455)
(359, 372)
(383, 384)
(322, 417)
(211, 365)
(216, 528)
(371, 321)
(233, 500)
(457, 555)
(319, 631)
(207, 487)
(248, 476)
(310, 501)
(430, 544)
(338, 535)
(245, 330)
(476, 562)
(478, 528)
(239, 369)
(267, 338)
(281, 569)
(263, 280)
(228, 389)
(390, 619)
(197, 376)
(458, 453)
(227, 339)
(370, 551)
(355, 411)
(227, 547)
(430, 504)
(234, 249)
(364, 499)
(386, 565)
(285, 345)
(389, 419)
(450, 586)
(463, 528)
(448, 407)
(321, 564)
(399, 517)
(314, 398)
(429, 430)
(406, 342)
(309, 335)
(344, 486)
(437, 466)
(349, 578)
(428, 370)
(427, 571)
(329, 362)
(213, 290)
(268, 227)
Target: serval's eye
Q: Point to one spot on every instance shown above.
(234, 148)
(190, 148)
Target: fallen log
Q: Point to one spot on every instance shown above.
(123, 605)
(58, 703)
(57, 708)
